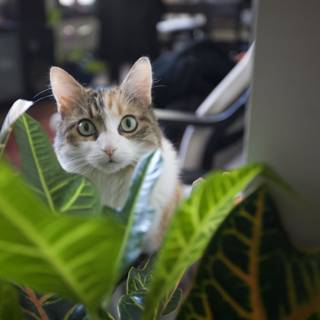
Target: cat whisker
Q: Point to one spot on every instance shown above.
(159, 86)
(41, 92)
(43, 98)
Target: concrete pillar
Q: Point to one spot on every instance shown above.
(284, 126)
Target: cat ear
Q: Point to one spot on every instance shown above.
(138, 83)
(66, 90)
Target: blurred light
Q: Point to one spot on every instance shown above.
(67, 3)
(86, 2)
(69, 30)
(85, 30)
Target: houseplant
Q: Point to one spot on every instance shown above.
(56, 237)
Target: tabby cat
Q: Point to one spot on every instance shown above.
(102, 134)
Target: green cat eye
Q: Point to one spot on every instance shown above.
(128, 124)
(86, 128)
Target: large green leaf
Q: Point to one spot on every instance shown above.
(16, 110)
(137, 214)
(9, 302)
(73, 256)
(62, 192)
(192, 228)
(252, 271)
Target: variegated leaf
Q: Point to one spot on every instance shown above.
(252, 271)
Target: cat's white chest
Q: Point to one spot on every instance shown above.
(113, 188)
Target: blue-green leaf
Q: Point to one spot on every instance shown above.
(137, 213)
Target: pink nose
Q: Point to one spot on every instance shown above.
(109, 151)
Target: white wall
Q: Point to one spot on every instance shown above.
(284, 128)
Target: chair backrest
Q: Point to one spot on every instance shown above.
(230, 88)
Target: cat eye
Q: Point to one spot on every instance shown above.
(86, 128)
(128, 124)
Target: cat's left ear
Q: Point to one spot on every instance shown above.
(137, 86)
(66, 90)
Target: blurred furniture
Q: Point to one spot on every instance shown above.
(223, 18)
(184, 77)
(128, 31)
(217, 124)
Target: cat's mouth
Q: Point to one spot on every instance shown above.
(109, 166)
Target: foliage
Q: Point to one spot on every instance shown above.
(192, 228)
(131, 304)
(53, 224)
(63, 192)
(251, 270)
(47, 306)
(137, 214)
(73, 256)
(9, 302)
(65, 247)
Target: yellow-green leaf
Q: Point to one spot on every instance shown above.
(192, 228)
(73, 256)
(62, 192)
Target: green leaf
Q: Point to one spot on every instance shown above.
(137, 213)
(252, 271)
(9, 302)
(62, 192)
(131, 305)
(192, 228)
(73, 256)
(139, 278)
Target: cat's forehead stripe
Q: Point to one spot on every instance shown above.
(113, 102)
(94, 107)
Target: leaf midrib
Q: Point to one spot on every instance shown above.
(73, 198)
(38, 167)
(204, 222)
(31, 233)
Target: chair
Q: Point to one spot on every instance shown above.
(208, 130)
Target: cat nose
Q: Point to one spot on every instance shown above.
(110, 151)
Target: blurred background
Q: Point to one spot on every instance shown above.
(193, 44)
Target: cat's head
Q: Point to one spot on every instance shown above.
(105, 130)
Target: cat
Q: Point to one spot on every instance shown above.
(102, 134)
